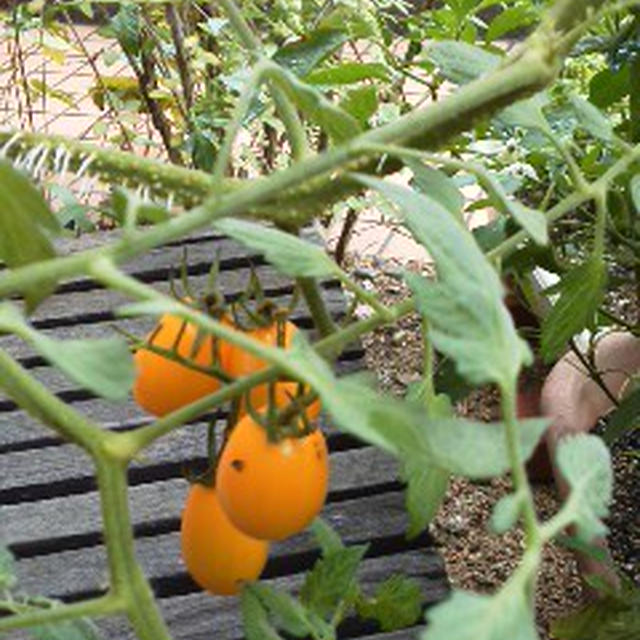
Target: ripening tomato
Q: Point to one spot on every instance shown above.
(162, 385)
(240, 363)
(218, 556)
(271, 490)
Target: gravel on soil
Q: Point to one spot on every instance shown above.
(476, 558)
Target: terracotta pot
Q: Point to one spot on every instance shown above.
(575, 403)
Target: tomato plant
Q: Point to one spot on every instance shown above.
(219, 557)
(162, 384)
(272, 489)
(557, 166)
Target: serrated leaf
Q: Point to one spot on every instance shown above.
(348, 73)
(255, 619)
(284, 611)
(477, 449)
(427, 485)
(331, 580)
(506, 512)
(307, 53)
(526, 113)
(534, 222)
(26, 222)
(585, 463)
(396, 603)
(361, 103)
(581, 292)
(104, 366)
(625, 418)
(634, 187)
(340, 125)
(508, 20)
(468, 321)
(80, 629)
(469, 616)
(592, 119)
(326, 537)
(461, 62)
(8, 577)
(438, 186)
(291, 255)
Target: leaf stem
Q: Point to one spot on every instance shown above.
(313, 297)
(103, 606)
(518, 471)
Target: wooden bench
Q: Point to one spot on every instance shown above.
(49, 508)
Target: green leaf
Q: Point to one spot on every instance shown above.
(81, 629)
(427, 485)
(615, 615)
(348, 73)
(477, 449)
(331, 580)
(581, 292)
(585, 462)
(468, 321)
(506, 512)
(126, 27)
(625, 418)
(608, 86)
(285, 612)
(307, 53)
(469, 616)
(396, 603)
(26, 222)
(437, 185)
(526, 113)
(339, 124)
(461, 62)
(592, 119)
(291, 255)
(361, 103)
(104, 366)
(634, 187)
(255, 619)
(509, 20)
(8, 577)
(326, 537)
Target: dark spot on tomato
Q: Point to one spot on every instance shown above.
(238, 465)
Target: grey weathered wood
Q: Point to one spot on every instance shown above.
(79, 514)
(18, 428)
(18, 349)
(200, 616)
(78, 571)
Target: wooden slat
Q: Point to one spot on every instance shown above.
(83, 570)
(200, 616)
(79, 514)
(19, 430)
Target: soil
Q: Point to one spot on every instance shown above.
(477, 559)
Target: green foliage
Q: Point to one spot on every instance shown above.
(8, 577)
(291, 255)
(615, 615)
(395, 604)
(581, 292)
(329, 593)
(26, 225)
(625, 417)
(468, 616)
(104, 365)
(468, 321)
(585, 463)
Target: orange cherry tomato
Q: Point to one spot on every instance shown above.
(218, 556)
(271, 490)
(240, 363)
(162, 385)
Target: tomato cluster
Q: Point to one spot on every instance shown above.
(270, 481)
